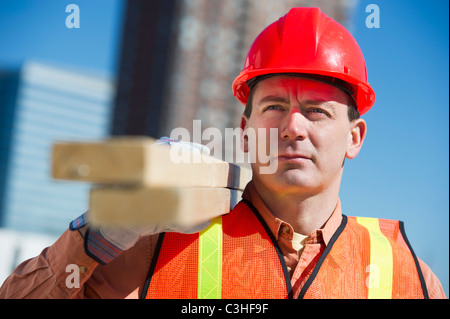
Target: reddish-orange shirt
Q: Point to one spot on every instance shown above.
(45, 276)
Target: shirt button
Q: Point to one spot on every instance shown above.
(285, 229)
(83, 269)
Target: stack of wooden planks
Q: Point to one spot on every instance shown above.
(135, 181)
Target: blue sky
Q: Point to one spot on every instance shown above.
(402, 171)
(33, 29)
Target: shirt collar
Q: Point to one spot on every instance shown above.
(275, 224)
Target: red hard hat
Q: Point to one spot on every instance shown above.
(306, 41)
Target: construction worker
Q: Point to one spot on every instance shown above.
(288, 238)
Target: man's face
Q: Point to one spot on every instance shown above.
(314, 133)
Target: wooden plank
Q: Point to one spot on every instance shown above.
(138, 161)
(185, 207)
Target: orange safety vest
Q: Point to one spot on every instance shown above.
(239, 258)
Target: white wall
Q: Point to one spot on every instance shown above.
(16, 247)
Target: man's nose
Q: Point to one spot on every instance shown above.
(294, 126)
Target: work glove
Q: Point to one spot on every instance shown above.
(105, 243)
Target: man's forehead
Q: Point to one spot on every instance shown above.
(283, 86)
(288, 81)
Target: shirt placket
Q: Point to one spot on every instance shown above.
(314, 245)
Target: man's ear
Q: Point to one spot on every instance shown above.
(356, 138)
(244, 137)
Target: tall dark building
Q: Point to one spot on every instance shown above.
(144, 69)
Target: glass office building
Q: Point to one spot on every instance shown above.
(39, 105)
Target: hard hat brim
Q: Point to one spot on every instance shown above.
(363, 93)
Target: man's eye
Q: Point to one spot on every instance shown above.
(272, 107)
(319, 111)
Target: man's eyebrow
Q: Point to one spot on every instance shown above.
(280, 99)
(272, 98)
(320, 102)
(317, 102)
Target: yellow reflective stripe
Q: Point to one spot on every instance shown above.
(210, 261)
(379, 281)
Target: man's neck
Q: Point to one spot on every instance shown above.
(305, 213)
